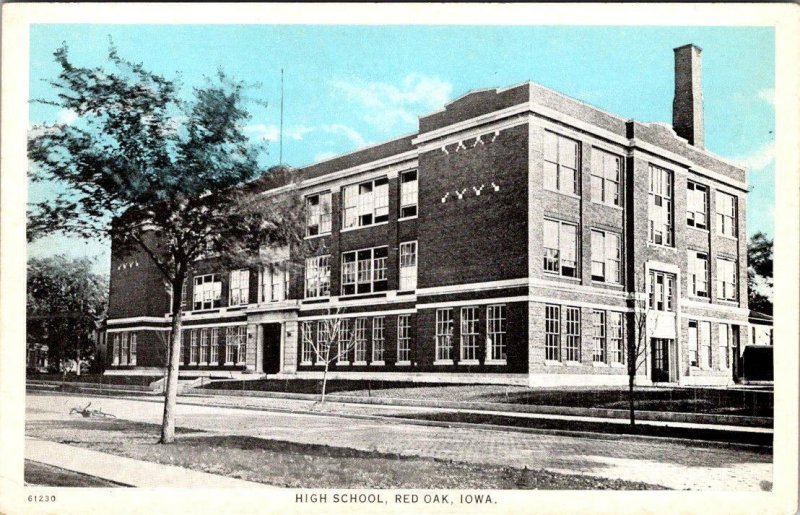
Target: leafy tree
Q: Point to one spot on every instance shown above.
(65, 300)
(759, 273)
(160, 172)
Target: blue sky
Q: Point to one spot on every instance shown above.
(350, 86)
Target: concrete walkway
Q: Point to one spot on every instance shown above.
(125, 471)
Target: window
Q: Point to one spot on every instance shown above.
(698, 273)
(696, 205)
(378, 340)
(345, 337)
(203, 358)
(116, 350)
(318, 214)
(207, 292)
(599, 336)
(235, 345)
(193, 347)
(273, 282)
(123, 358)
(366, 203)
(724, 347)
(572, 348)
(561, 164)
(693, 358)
(307, 346)
(560, 248)
(726, 214)
(705, 344)
(606, 175)
(615, 340)
(606, 254)
(404, 338)
(318, 277)
(408, 194)
(726, 279)
(323, 340)
(132, 350)
(239, 288)
(214, 351)
(444, 334)
(552, 332)
(662, 289)
(361, 341)
(496, 332)
(660, 206)
(408, 265)
(364, 271)
(469, 334)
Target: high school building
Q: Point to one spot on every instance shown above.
(518, 237)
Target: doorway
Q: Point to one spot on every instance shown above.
(660, 368)
(272, 348)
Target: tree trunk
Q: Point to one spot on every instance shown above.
(78, 358)
(630, 395)
(324, 381)
(174, 360)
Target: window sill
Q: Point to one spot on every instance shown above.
(665, 247)
(193, 364)
(605, 204)
(314, 236)
(443, 362)
(698, 298)
(317, 363)
(552, 363)
(342, 363)
(380, 363)
(305, 363)
(566, 194)
(697, 228)
(363, 227)
(566, 277)
(226, 364)
(202, 364)
(408, 218)
(359, 363)
(469, 362)
(599, 364)
(734, 238)
(495, 362)
(617, 365)
(573, 363)
(240, 364)
(402, 363)
(616, 286)
(727, 302)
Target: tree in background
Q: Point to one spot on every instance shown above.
(159, 172)
(759, 273)
(65, 301)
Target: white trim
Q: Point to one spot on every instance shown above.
(495, 362)
(474, 302)
(335, 302)
(732, 321)
(359, 363)
(137, 328)
(407, 311)
(409, 217)
(213, 313)
(579, 304)
(363, 227)
(118, 321)
(470, 123)
(221, 324)
(617, 292)
(469, 362)
(377, 363)
(471, 287)
(443, 362)
(709, 305)
(379, 165)
(483, 130)
(402, 363)
(618, 145)
(342, 363)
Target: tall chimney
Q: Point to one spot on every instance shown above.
(687, 106)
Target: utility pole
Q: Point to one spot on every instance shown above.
(280, 144)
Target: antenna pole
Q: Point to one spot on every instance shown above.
(280, 157)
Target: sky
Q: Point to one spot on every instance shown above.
(349, 86)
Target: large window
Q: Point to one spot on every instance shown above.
(726, 214)
(207, 292)
(552, 332)
(705, 344)
(555, 332)
(560, 248)
(214, 350)
(561, 164)
(239, 288)
(662, 291)
(366, 203)
(204, 346)
(408, 194)
(696, 205)
(318, 277)
(344, 342)
(378, 340)
(404, 339)
(726, 279)
(606, 177)
(698, 273)
(606, 255)
(496, 332)
(194, 347)
(444, 334)
(318, 214)
(660, 208)
(235, 345)
(307, 343)
(364, 271)
(693, 354)
(469, 334)
(615, 339)
(724, 346)
(408, 265)
(572, 343)
(361, 342)
(124, 349)
(599, 336)
(273, 282)
(323, 340)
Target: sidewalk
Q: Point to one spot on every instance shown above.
(126, 471)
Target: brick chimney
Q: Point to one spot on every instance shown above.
(687, 106)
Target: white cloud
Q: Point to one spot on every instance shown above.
(767, 95)
(387, 105)
(324, 156)
(348, 132)
(67, 116)
(759, 158)
(272, 133)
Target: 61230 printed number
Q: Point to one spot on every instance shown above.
(41, 498)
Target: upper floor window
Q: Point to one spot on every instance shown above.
(364, 271)
(318, 214)
(726, 279)
(366, 203)
(318, 277)
(273, 282)
(662, 291)
(698, 273)
(560, 248)
(606, 178)
(606, 254)
(207, 292)
(239, 288)
(408, 265)
(696, 205)
(726, 214)
(660, 208)
(561, 164)
(408, 194)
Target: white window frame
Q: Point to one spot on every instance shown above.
(698, 270)
(558, 164)
(306, 343)
(697, 205)
(345, 333)
(599, 339)
(378, 341)
(555, 258)
(319, 212)
(366, 203)
(607, 169)
(727, 211)
(132, 350)
(552, 332)
(360, 346)
(207, 292)
(660, 207)
(572, 334)
(608, 257)
(409, 195)
(323, 338)
(214, 346)
(444, 336)
(724, 343)
(704, 343)
(408, 266)
(366, 273)
(496, 327)
(615, 335)
(202, 358)
(469, 335)
(727, 287)
(193, 346)
(693, 343)
(403, 340)
(663, 295)
(273, 282)
(317, 275)
(239, 287)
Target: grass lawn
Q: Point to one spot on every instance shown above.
(687, 400)
(39, 474)
(96, 378)
(293, 465)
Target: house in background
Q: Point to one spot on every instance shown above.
(756, 363)
(511, 239)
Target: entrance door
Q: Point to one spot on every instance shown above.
(660, 360)
(272, 348)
